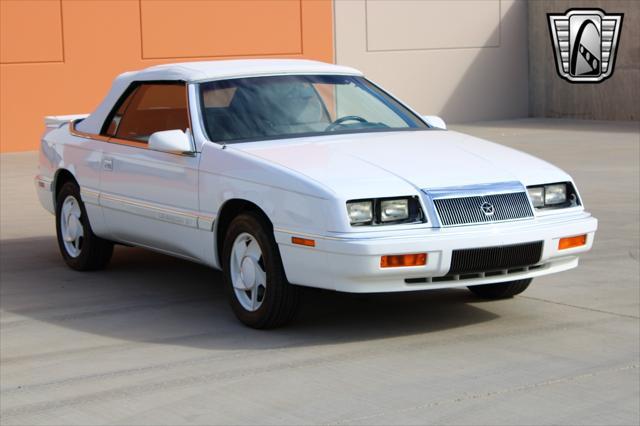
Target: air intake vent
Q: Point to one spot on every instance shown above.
(488, 259)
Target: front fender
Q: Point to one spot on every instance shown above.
(289, 200)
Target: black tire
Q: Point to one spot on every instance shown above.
(95, 252)
(500, 290)
(281, 299)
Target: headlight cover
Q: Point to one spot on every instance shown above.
(360, 212)
(536, 194)
(384, 211)
(394, 210)
(553, 196)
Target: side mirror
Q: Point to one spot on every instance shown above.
(173, 141)
(435, 121)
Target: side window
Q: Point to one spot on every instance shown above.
(117, 116)
(150, 108)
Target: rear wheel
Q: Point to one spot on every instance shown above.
(81, 249)
(259, 293)
(500, 290)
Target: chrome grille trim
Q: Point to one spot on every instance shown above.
(462, 205)
(467, 211)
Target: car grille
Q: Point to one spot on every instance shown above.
(513, 272)
(468, 210)
(488, 259)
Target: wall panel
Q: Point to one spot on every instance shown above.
(99, 39)
(432, 24)
(464, 60)
(221, 28)
(31, 31)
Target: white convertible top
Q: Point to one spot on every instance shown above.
(191, 72)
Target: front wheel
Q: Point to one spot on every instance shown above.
(500, 290)
(259, 293)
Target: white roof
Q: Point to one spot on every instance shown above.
(213, 70)
(206, 70)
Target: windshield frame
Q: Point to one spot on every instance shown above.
(382, 93)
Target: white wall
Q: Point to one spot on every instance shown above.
(465, 60)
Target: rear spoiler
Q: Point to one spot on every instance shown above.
(54, 121)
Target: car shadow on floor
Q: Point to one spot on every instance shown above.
(148, 297)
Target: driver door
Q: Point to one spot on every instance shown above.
(150, 198)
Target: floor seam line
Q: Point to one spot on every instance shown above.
(584, 308)
(491, 394)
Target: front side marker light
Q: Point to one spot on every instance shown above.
(400, 260)
(303, 241)
(555, 194)
(360, 211)
(394, 210)
(571, 242)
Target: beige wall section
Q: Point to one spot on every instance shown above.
(617, 98)
(465, 60)
(483, 17)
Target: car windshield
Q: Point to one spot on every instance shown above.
(258, 108)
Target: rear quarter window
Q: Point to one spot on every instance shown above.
(149, 108)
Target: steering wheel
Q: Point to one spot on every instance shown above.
(339, 121)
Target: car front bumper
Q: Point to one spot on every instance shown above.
(351, 262)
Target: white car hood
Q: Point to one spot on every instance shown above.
(394, 163)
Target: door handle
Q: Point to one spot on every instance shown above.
(107, 164)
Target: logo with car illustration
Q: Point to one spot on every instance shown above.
(585, 42)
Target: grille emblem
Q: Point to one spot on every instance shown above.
(487, 209)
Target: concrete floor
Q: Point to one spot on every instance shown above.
(151, 339)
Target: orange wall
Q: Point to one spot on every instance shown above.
(60, 56)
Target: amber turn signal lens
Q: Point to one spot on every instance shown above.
(394, 261)
(571, 242)
(303, 241)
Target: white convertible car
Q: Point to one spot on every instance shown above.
(287, 173)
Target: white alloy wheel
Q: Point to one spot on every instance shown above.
(71, 226)
(248, 275)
